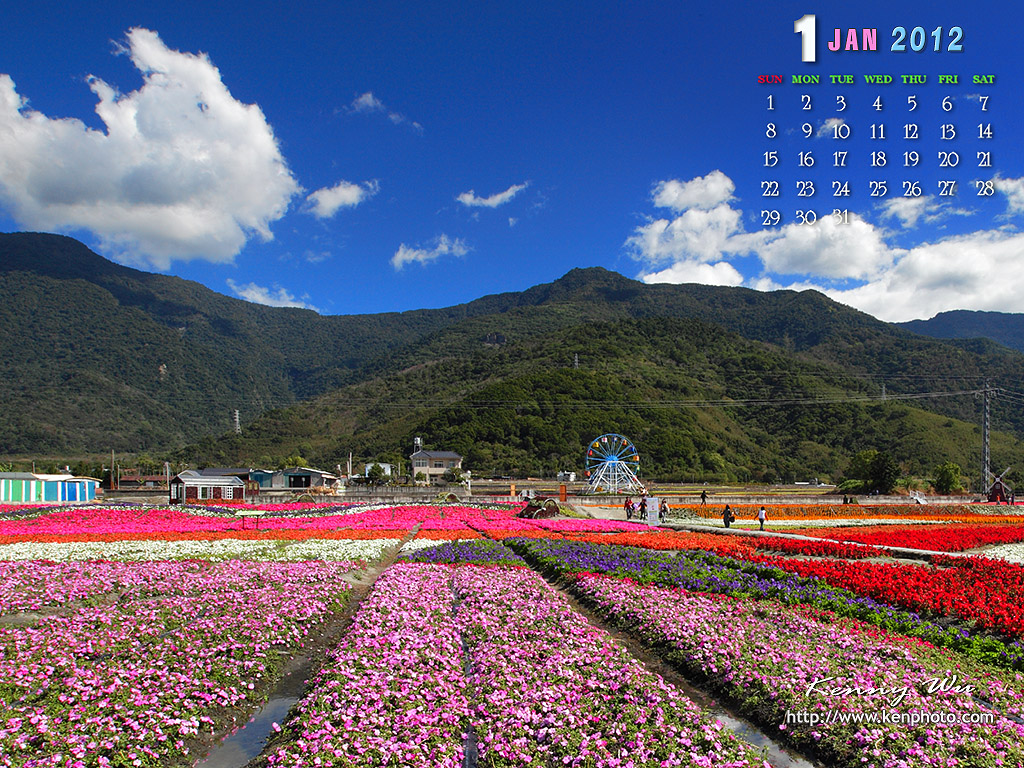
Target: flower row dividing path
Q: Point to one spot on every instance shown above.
(834, 687)
(438, 652)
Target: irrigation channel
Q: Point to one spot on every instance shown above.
(244, 747)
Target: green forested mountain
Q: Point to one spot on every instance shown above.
(1006, 328)
(707, 381)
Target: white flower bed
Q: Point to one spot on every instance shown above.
(1013, 553)
(219, 549)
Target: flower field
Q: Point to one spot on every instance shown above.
(135, 637)
(946, 538)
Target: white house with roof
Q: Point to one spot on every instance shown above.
(433, 464)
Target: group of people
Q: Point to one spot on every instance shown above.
(640, 510)
(729, 517)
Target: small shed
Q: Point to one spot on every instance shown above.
(192, 485)
(306, 477)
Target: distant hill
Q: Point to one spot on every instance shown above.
(1005, 328)
(708, 381)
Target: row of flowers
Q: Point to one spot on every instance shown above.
(121, 522)
(764, 577)
(442, 657)
(963, 512)
(946, 538)
(772, 660)
(987, 592)
(822, 548)
(221, 548)
(129, 684)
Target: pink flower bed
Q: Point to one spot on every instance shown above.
(127, 684)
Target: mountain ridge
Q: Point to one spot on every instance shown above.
(142, 362)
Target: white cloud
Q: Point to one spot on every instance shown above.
(182, 170)
(512, 221)
(907, 209)
(279, 297)
(498, 198)
(720, 273)
(701, 235)
(912, 210)
(703, 193)
(442, 246)
(829, 126)
(368, 103)
(325, 202)
(849, 261)
(977, 271)
(826, 249)
(1014, 191)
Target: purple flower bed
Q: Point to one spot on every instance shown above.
(774, 659)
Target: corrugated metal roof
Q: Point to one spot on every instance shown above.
(17, 476)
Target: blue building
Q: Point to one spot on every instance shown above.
(33, 488)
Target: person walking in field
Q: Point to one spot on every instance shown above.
(762, 515)
(727, 516)
(703, 498)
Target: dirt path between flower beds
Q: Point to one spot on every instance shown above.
(247, 746)
(743, 729)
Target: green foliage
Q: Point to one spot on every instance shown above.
(375, 474)
(884, 473)
(860, 465)
(947, 478)
(453, 475)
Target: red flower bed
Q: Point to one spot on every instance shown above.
(708, 542)
(935, 538)
(822, 548)
(989, 592)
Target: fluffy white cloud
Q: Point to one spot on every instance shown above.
(826, 249)
(720, 273)
(701, 235)
(849, 261)
(1014, 191)
(704, 192)
(182, 170)
(257, 294)
(367, 102)
(498, 198)
(326, 202)
(907, 209)
(976, 271)
(442, 246)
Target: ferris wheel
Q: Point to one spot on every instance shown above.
(612, 462)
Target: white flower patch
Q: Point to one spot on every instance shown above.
(369, 550)
(1012, 553)
(218, 549)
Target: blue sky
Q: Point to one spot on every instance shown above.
(367, 157)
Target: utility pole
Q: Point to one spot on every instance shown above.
(883, 391)
(238, 423)
(986, 473)
(575, 359)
